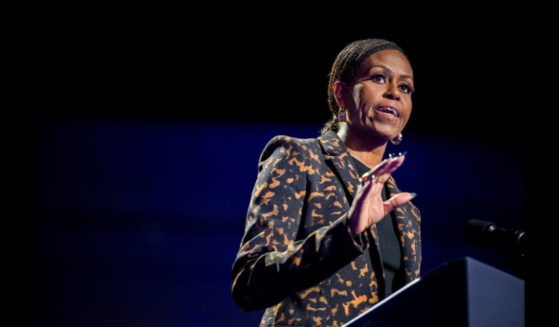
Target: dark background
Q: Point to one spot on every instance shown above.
(262, 69)
(149, 131)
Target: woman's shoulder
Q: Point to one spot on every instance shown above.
(291, 141)
(289, 145)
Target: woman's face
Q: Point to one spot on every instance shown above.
(379, 101)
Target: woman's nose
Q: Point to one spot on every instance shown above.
(392, 92)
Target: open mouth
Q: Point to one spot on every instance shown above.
(389, 110)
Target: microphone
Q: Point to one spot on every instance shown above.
(488, 233)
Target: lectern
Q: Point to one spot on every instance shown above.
(461, 293)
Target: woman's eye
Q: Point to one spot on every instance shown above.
(379, 78)
(406, 88)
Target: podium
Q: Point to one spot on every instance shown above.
(462, 293)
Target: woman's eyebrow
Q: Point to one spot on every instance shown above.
(384, 68)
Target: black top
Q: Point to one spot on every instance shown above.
(390, 250)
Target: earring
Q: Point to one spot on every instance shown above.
(397, 140)
(341, 115)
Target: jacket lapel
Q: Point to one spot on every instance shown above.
(336, 155)
(407, 225)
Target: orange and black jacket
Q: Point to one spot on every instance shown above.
(297, 258)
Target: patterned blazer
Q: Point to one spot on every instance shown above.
(297, 257)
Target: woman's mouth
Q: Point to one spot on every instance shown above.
(388, 111)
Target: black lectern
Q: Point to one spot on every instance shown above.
(461, 293)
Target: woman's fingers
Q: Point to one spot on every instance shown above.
(394, 164)
(397, 200)
(385, 167)
(374, 171)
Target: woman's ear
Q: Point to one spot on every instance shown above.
(339, 89)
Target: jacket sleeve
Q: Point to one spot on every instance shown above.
(272, 263)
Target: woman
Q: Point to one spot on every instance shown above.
(321, 244)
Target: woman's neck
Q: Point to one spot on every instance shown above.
(364, 148)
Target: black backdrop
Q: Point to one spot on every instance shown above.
(470, 81)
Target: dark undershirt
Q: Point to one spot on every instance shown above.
(390, 250)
